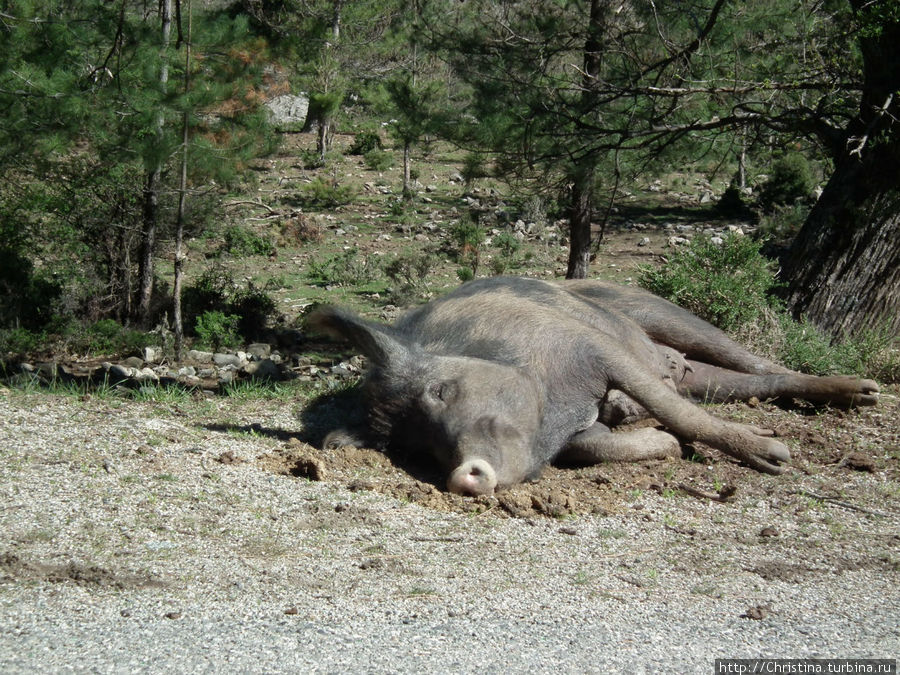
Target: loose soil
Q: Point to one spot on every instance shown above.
(827, 446)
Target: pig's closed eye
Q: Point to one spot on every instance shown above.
(443, 391)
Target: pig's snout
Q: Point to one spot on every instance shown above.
(473, 478)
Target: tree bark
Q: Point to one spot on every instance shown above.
(182, 198)
(152, 187)
(843, 269)
(581, 207)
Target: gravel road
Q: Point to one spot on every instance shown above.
(147, 537)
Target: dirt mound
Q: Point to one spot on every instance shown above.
(825, 445)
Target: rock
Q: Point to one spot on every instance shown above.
(199, 356)
(716, 241)
(288, 112)
(133, 362)
(259, 350)
(859, 461)
(145, 375)
(223, 360)
(678, 241)
(342, 372)
(265, 369)
(644, 242)
(117, 372)
(186, 371)
(735, 229)
(153, 354)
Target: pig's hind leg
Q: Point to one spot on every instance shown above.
(703, 382)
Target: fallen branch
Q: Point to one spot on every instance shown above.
(722, 495)
(253, 203)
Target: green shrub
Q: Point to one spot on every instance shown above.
(726, 284)
(240, 241)
(508, 244)
(467, 234)
(408, 272)
(379, 160)
(465, 274)
(731, 203)
(790, 180)
(103, 336)
(468, 237)
(325, 193)
(729, 286)
(782, 223)
(26, 298)
(20, 341)
(365, 142)
(217, 330)
(871, 353)
(253, 306)
(311, 160)
(215, 290)
(473, 167)
(509, 257)
(347, 268)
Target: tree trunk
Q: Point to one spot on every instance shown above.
(843, 269)
(407, 181)
(182, 198)
(148, 246)
(580, 212)
(152, 187)
(581, 207)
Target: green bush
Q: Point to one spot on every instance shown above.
(408, 272)
(473, 168)
(790, 180)
(215, 290)
(726, 284)
(379, 160)
(729, 286)
(509, 253)
(731, 203)
(465, 274)
(782, 223)
(871, 353)
(26, 298)
(365, 142)
(467, 234)
(217, 330)
(347, 268)
(325, 193)
(253, 306)
(20, 341)
(468, 237)
(240, 241)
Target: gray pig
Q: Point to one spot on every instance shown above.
(502, 376)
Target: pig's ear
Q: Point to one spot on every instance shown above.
(379, 343)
